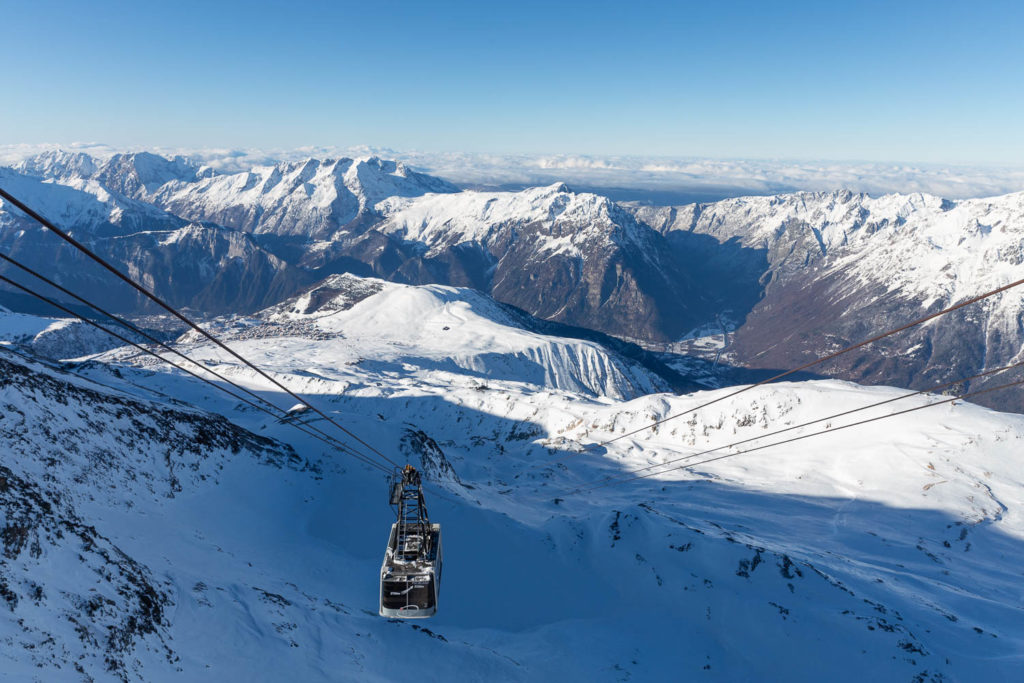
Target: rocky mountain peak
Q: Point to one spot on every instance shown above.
(142, 174)
(59, 164)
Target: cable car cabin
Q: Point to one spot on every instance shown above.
(410, 577)
(410, 580)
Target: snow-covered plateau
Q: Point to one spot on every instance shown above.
(155, 529)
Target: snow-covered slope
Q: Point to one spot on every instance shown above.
(896, 549)
(77, 606)
(389, 330)
(54, 338)
(21, 328)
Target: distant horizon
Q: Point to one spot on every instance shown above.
(99, 147)
(658, 178)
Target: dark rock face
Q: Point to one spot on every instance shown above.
(628, 288)
(199, 267)
(802, 318)
(208, 268)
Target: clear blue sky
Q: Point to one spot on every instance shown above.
(913, 81)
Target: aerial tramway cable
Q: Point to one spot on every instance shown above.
(802, 436)
(321, 436)
(929, 390)
(134, 328)
(820, 360)
(817, 361)
(180, 316)
(413, 558)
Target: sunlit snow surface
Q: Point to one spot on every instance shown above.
(894, 551)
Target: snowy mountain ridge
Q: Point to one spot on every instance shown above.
(914, 243)
(794, 275)
(570, 219)
(433, 330)
(81, 204)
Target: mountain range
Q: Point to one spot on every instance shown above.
(756, 283)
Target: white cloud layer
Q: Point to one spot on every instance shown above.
(663, 178)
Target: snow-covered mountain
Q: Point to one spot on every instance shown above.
(81, 205)
(188, 263)
(388, 329)
(310, 199)
(570, 257)
(145, 538)
(830, 269)
(761, 282)
(574, 258)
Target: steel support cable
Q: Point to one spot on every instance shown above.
(809, 364)
(435, 488)
(134, 328)
(129, 325)
(802, 436)
(333, 443)
(929, 390)
(822, 359)
(180, 316)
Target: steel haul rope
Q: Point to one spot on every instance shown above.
(929, 390)
(173, 311)
(326, 439)
(804, 436)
